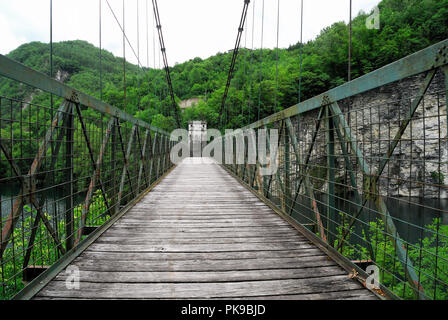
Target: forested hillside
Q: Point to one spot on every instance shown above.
(406, 26)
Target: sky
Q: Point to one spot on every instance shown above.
(191, 28)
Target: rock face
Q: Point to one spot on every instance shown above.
(188, 103)
(61, 75)
(419, 164)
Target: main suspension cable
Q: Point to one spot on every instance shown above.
(165, 61)
(235, 55)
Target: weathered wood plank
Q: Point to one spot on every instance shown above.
(155, 229)
(200, 247)
(201, 276)
(200, 222)
(201, 290)
(205, 265)
(163, 234)
(141, 256)
(357, 294)
(148, 240)
(198, 225)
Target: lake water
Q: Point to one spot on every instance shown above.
(410, 215)
(55, 202)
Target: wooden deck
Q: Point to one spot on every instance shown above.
(200, 234)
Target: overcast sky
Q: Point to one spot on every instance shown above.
(191, 28)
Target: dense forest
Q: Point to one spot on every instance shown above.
(406, 27)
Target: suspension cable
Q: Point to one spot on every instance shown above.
(349, 76)
(51, 39)
(261, 60)
(147, 48)
(101, 52)
(301, 52)
(276, 58)
(124, 61)
(139, 69)
(350, 45)
(138, 32)
(123, 31)
(245, 72)
(251, 59)
(165, 62)
(235, 54)
(147, 34)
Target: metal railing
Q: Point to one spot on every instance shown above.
(64, 171)
(364, 167)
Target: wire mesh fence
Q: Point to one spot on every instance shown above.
(64, 171)
(366, 173)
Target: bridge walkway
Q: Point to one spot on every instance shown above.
(200, 234)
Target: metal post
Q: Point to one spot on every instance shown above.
(153, 152)
(287, 175)
(113, 201)
(69, 202)
(445, 72)
(331, 227)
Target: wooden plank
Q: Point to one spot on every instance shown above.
(198, 216)
(216, 220)
(199, 225)
(203, 276)
(192, 214)
(194, 247)
(201, 290)
(168, 256)
(357, 294)
(205, 265)
(178, 229)
(165, 234)
(145, 240)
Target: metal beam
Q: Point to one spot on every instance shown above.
(304, 166)
(125, 167)
(93, 181)
(153, 151)
(331, 202)
(350, 170)
(142, 159)
(89, 148)
(306, 182)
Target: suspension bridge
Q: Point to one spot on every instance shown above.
(140, 227)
